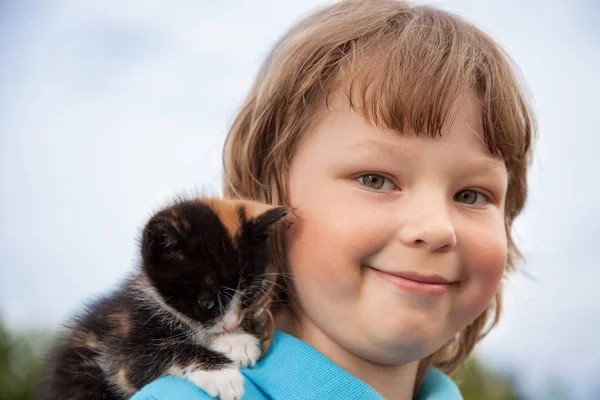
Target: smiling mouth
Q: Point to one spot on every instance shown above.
(427, 285)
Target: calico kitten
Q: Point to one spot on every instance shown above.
(202, 269)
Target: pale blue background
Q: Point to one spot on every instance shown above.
(106, 107)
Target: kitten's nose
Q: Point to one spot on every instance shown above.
(230, 326)
(231, 321)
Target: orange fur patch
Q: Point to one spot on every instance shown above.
(254, 209)
(228, 212)
(175, 222)
(121, 323)
(85, 339)
(122, 382)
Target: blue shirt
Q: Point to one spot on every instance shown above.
(292, 369)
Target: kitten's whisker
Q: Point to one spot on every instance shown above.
(271, 283)
(270, 289)
(276, 272)
(243, 269)
(230, 292)
(225, 288)
(235, 292)
(286, 275)
(221, 309)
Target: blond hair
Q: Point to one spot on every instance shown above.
(401, 65)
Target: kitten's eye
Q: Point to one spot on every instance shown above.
(377, 182)
(471, 197)
(247, 297)
(206, 305)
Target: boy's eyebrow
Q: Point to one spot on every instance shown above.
(484, 164)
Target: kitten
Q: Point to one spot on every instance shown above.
(202, 270)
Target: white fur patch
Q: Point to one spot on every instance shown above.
(232, 316)
(241, 348)
(226, 384)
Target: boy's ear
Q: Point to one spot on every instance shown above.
(161, 241)
(264, 224)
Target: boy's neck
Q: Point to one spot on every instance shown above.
(394, 382)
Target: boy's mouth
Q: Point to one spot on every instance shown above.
(425, 284)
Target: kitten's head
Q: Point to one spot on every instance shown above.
(207, 258)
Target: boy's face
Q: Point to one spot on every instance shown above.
(399, 241)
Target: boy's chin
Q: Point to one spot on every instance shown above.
(400, 347)
(397, 354)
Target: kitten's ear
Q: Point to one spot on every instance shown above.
(264, 224)
(161, 241)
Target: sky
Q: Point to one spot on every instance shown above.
(107, 108)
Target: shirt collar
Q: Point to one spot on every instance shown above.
(294, 369)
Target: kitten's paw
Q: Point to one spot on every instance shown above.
(241, 348)
(226, 384)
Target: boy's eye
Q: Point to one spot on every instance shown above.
(470, 197)
(377, 182)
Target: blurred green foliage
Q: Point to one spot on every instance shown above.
(477, 381)
(20, 362)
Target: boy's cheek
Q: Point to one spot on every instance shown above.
(487, 263)
(317, 260)
(491, 258)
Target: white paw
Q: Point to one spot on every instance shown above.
(242, 348)
(226, 384)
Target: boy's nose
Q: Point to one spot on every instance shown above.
(427, 224)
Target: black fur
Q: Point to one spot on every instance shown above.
(127, 339)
